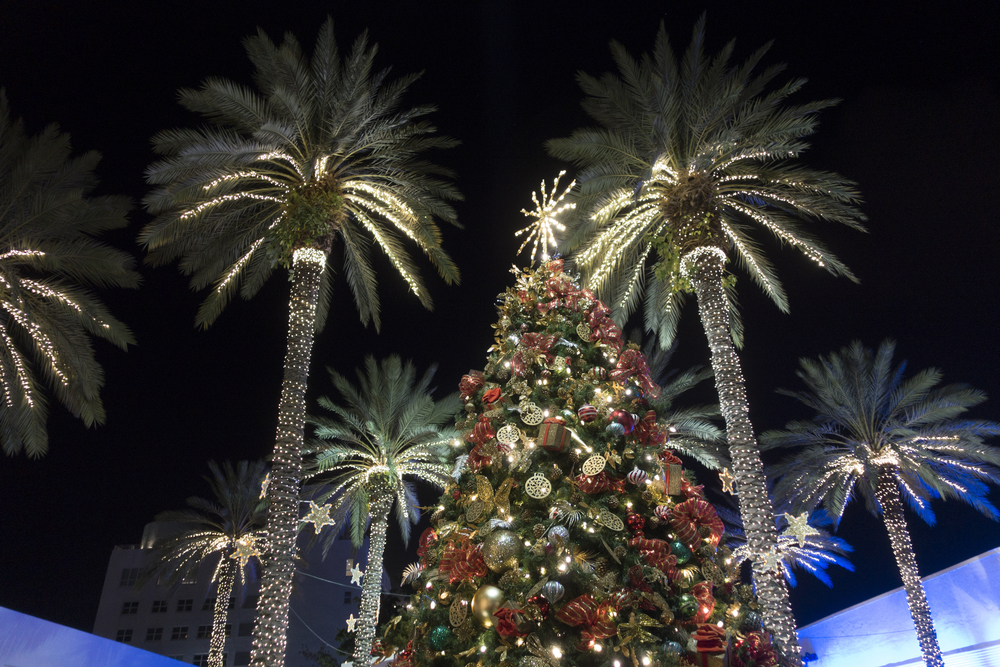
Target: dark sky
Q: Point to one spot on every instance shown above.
(917, 129)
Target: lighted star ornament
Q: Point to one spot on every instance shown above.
(770, 560)
(727, 480)
(350, 623)
(545, 218)
(264, 484)
(799, 528)
(319, 516)
(245, 550)
(356, 575)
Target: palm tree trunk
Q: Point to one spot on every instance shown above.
(270, 636)
(704, 267)
(371, 591)
(217, 646)
(887, 494)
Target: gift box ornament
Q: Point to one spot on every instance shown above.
(674, 475)
(554, 437)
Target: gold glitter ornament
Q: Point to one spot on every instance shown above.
(594, 465)
(510, 579)
(465, 631)
(485, 602)
(537, 486)
(531, 414)
(509, 435)
(501, 549)
(584, 331)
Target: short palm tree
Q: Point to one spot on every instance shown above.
(321, 154)
(227, 529)
(388, 431)
(890, 440)
(49, 254)
(689, 159)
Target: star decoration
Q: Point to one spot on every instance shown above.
(727, 480)
(544, 215)
(799, 528)
(770, 560)
(356, 575)
(319, 515)
(266, 482)
(245, 550)
(350, 623)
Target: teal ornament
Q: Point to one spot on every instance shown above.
(751, 622)
(687, 605)
(680, 550)
(615, 430)
(439, 637)
(673, 648)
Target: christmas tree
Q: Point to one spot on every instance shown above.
(572, 535)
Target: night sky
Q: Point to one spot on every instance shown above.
(917, 129)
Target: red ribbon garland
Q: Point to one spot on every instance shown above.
(506, 627)
(428, 540)
(604, 328)
(632, 363)
(596, 618)
(702, 591)
(656, 553)
(482, 432)
(471, 383)
(462, 561)
(710, 638)
(649, 432)
(689, 515)
(591, 484)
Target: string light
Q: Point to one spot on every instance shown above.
(546, 210)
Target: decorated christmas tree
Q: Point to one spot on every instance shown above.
(572, 535)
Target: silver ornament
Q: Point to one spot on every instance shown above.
(553, 591)
(501, 549)
(559, 535)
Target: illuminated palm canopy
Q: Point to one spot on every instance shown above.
(321, 153)
(689, 154)
(870, 419)
(48, 254)
(389, 429)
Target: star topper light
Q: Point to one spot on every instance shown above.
(799, 528)
(319, 516)
(545, 214)
(245, 550)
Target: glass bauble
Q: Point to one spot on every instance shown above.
(553, 591)
(439, 637)
(501, 549)
(687, 605)
(680, 550)
(485, 602)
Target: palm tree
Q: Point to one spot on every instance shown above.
(689, 157)
(228, 529)
(49, 254)
(889, 440)
(389, 429)
(322, 153)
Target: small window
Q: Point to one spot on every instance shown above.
(204, 631)
(191, 576)
(232, 603)
(350, 566)
(347, 597)
(124, 636)
(250, 602)
(154, 634)
(208, 605)
(179, 632)
(184, 605)
(159, 606)
(245, 630)
(229, 630)
(242, 659)
(130, 607)
(200, 659)
(130, 575)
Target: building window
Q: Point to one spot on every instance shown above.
(130, 575)
(250, 602)
(347, 597)
(184, 605)
(200, 659)
(191, 576)
(159, 606)
(242, 659)
(204, 631)
(209, 604)
(154, 634)
(350, 565)
(124, 636)
(232, 603)
(229, 631)
(130, 607)
(179, 633)
(245, 630)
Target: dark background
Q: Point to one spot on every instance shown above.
(917, 129)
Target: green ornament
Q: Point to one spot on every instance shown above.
(439, 637)
(687, 605)
(751, 622)
(680, 550)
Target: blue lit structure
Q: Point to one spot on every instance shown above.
(964, 601)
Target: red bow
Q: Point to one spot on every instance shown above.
(481, 432)
(649, 432)
(656, 553)
(462, 561)
(710, 638)
(632, 363)
(604, 328)
(506, 627)
(471, 383)
(597, 619)
(702, 591)
(491, 395)
(428, 540)
(600, 482)
(689, 515)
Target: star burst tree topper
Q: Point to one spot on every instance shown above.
(319, 516)
(545, 214)
(799, 528)
(245, 550)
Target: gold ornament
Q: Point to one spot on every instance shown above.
(531, 414)
(584, 331)
(727, 480)
(594, 465)
(509, 435)
(537, 486)
(501, 549)
(610, 520)
(465, 631)
(485, 602)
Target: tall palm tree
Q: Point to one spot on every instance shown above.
(890, 440)
(388, 429)
(226, 529)
(49, 255)
(321, 153)
(689, 157)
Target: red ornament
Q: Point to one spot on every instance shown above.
(626, 419)
(541, 603)
(635, 522)
(491, 395)
(587, 413)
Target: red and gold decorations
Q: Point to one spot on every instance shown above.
(537, 608)
(649, 432)
(711, 645)
(625, 418)
(655, 553)
(587, 413)
(592, 484)
(702, 592)
(755, 648)
(673, 477)
(470, 384)
(635, 630)
(632, 365)
(603, 328)
(428, 540)
(691, 514)
(553, 436)
(597, 620)
(506, 623)
(462, 561)
(491, 395)
(635, 522)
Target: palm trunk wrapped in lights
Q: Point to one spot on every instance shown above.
(371, 590)
(887, 494)
(704, 268)
(217, 646)
(270, 632)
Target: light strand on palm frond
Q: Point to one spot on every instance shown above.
(42, 341)
(223, 199)
(387, 248)
(278, 155)
(239, 175)
(765, 221)
(20, 373)
(240, 263)
(47, 292)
